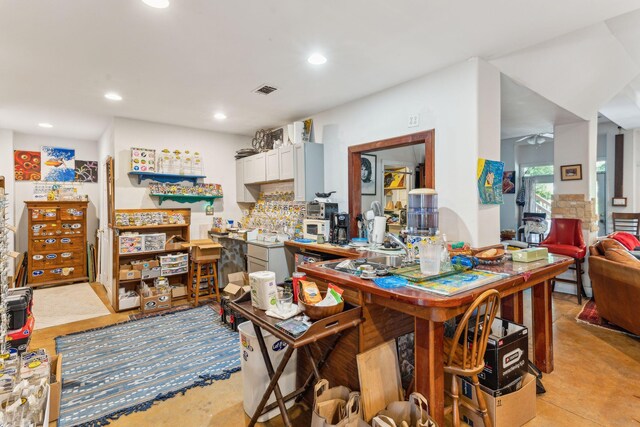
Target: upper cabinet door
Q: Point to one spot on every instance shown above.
(286, 162)
(259, 168)
(240, 180)
(273, 165)
(299, 168)
(248, 168)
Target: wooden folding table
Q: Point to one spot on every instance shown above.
(330, 326)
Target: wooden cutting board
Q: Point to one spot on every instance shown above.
(380, 382)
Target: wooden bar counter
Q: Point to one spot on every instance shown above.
(389, 313)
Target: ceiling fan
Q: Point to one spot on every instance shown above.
(536, 138)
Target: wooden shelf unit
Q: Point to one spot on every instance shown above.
(121, 259)
(57, 249)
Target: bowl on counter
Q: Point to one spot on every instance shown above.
(316, 313)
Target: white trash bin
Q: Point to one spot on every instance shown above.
(255, 378)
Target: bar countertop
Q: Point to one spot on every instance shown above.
(519, 275)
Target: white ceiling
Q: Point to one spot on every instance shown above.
(181, 64)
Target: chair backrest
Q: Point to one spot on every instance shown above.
(540, 215)
(565, 231)
(628, 222)
(483, 311)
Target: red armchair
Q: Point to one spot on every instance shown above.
(565, 238)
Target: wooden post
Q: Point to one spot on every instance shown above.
(541, 304)
(429, 359)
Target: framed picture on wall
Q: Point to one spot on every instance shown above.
(571, 172)
(368, 174)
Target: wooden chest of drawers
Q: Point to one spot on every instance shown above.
(57, 242)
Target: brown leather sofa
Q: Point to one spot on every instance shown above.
(616, 289)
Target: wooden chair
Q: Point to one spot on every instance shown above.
(204, 269)
(627, 222)
(465, 357)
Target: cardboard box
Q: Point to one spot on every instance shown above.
(128, 302)
(55, 387)
(129, 274)
(204, 250)
(178, 291)
(508, 410)
(530, 255)
(155, 302)
(151, 273)
(237, 285)
(174, 243)
(507, 354)
(145, 265)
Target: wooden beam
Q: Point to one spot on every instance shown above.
(619, 167)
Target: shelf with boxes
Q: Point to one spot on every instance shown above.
(148, 244)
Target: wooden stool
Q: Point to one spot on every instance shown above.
(204, 269)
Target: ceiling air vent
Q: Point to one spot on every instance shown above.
(264, 89)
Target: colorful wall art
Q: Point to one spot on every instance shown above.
(58, 164)
(26, 165)
(509, 182)
(86, 171)
(489, 181)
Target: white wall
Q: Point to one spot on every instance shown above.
(85, 150)
(6, 170)
(217, 149)
(606, 145)
(448, 101)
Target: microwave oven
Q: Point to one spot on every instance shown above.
(313, 227)
(321, 210)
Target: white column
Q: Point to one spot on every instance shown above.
(488, 128)
(576, 143)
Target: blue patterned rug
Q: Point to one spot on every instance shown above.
(125, 368)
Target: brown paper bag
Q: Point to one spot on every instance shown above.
(414, 413)
(336, 407)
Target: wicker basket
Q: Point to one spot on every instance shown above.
(316, 313)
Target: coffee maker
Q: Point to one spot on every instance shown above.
(339, 229)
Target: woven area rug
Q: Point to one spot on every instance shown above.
(66, 304)
(589, 315)
(125, 368)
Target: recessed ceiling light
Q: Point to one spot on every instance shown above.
(113, 96)
(220, 116)
(316, 59)
(158, 4)
(45, 125)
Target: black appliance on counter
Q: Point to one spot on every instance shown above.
(339, 229)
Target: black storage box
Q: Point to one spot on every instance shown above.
(229, 316)
(17, 306)
(507, 355)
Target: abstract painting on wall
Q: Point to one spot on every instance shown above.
(489, 181)
(26, 165)
(58, 164)
(86, 171)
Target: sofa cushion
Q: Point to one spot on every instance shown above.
(606, 244)
(623, 257)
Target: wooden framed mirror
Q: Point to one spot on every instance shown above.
(355, 164)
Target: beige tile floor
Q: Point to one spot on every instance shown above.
(596, 381)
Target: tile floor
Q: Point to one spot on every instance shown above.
(596, 381)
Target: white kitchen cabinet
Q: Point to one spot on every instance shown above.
(244, 194)
(254, 264)
(308, 171)
(255, 169)
(287, 168)
(268, 257)
(272, 165)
